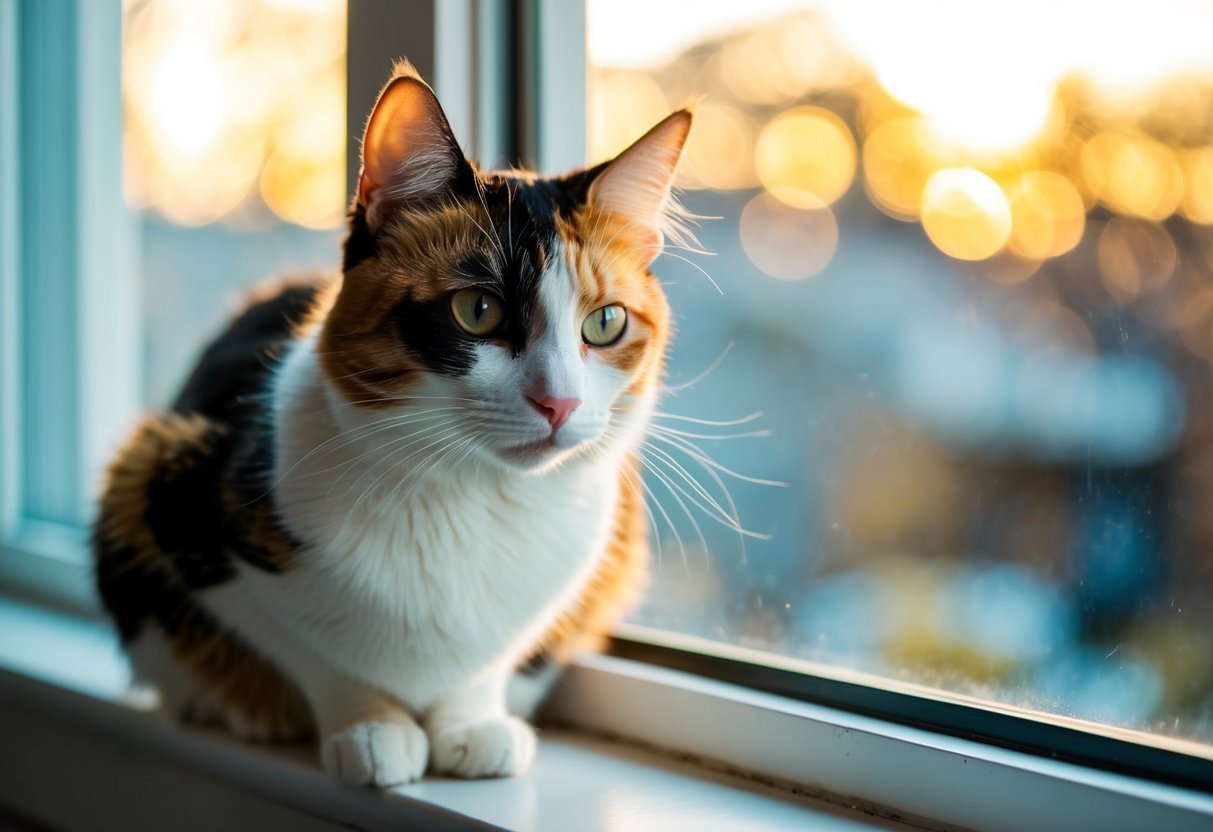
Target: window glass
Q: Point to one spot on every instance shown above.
(965, 265)
(235, 143)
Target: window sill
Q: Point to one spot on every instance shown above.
(743, 759)
(64, 703)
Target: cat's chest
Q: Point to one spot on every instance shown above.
(488, 542)
(464, 569)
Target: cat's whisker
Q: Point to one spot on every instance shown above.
(728, 518)
(509, 216)
(430, 464)
(391, 447)
(714, 511)
(409, 398)
(490, 237)
(711, 368)
(631, 478)
(444, 431)
(726, 437)
(758, 414)
(365, 435)
(697, 267)
(677, 494)
(665, 515)
(701, 457)
(359, 432)
(338, 441)
(488, 218)
(388, 469)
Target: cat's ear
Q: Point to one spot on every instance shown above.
(636, 184)
(409, 153)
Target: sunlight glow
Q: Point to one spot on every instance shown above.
(899, 157)
(1197, 204)
(966, 214)
(806, 157)
(222, 97)
(1047, 213)
(1133, 174)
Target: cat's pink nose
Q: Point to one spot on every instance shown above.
(556, 411)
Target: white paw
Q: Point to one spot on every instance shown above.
(376, 753)
(494, 748)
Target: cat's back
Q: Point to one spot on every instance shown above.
(237, 365)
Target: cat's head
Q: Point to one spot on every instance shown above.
(511, 313)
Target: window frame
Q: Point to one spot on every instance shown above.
(71, 272)
(655, 689)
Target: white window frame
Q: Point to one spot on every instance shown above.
(61, 193)
(464, 46)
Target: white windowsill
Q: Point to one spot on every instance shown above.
(794, 760)
(63, 682)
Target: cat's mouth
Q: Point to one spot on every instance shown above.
(537, 454)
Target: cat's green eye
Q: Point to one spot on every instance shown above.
(604, 326)
(477, 311)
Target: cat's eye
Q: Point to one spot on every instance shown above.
(604, 326)
(477, 311)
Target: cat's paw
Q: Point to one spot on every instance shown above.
(499, 747)
(382, 753)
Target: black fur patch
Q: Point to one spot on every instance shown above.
(237, 365)
(185, 515)
(135, 589)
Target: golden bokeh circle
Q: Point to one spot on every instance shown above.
(965, 214)
(1047, 215)
(806, 157)
(1132, 174)
(1197, 202)
(899, 157)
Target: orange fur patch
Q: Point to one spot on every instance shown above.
(360, 347)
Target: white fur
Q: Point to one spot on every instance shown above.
(435, 555)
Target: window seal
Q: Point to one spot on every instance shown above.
(1114, 750)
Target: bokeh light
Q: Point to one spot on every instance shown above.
(720, 152)
(223, 97)
(1133, 175)
(1194, 321)
(966, 214)
(786, 242)
(624, 106)
(1135, 257)
(1047, 215)
(898, 158)
(1197, 204)
(806, 157)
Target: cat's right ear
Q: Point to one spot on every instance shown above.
(409, 153)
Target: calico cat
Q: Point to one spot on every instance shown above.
(382, 501)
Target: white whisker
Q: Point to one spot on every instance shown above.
(711, 368)
(758, 414)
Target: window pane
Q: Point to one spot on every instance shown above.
(965, 260)
(235, 157)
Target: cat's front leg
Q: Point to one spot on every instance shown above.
(366, 737)
(471, 735)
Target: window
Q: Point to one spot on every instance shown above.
(977, 335)
(235, 145)
(963, 273)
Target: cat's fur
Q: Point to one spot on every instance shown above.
(358, 519)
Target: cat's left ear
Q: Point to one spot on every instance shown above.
(636, 185)
(409, 153)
